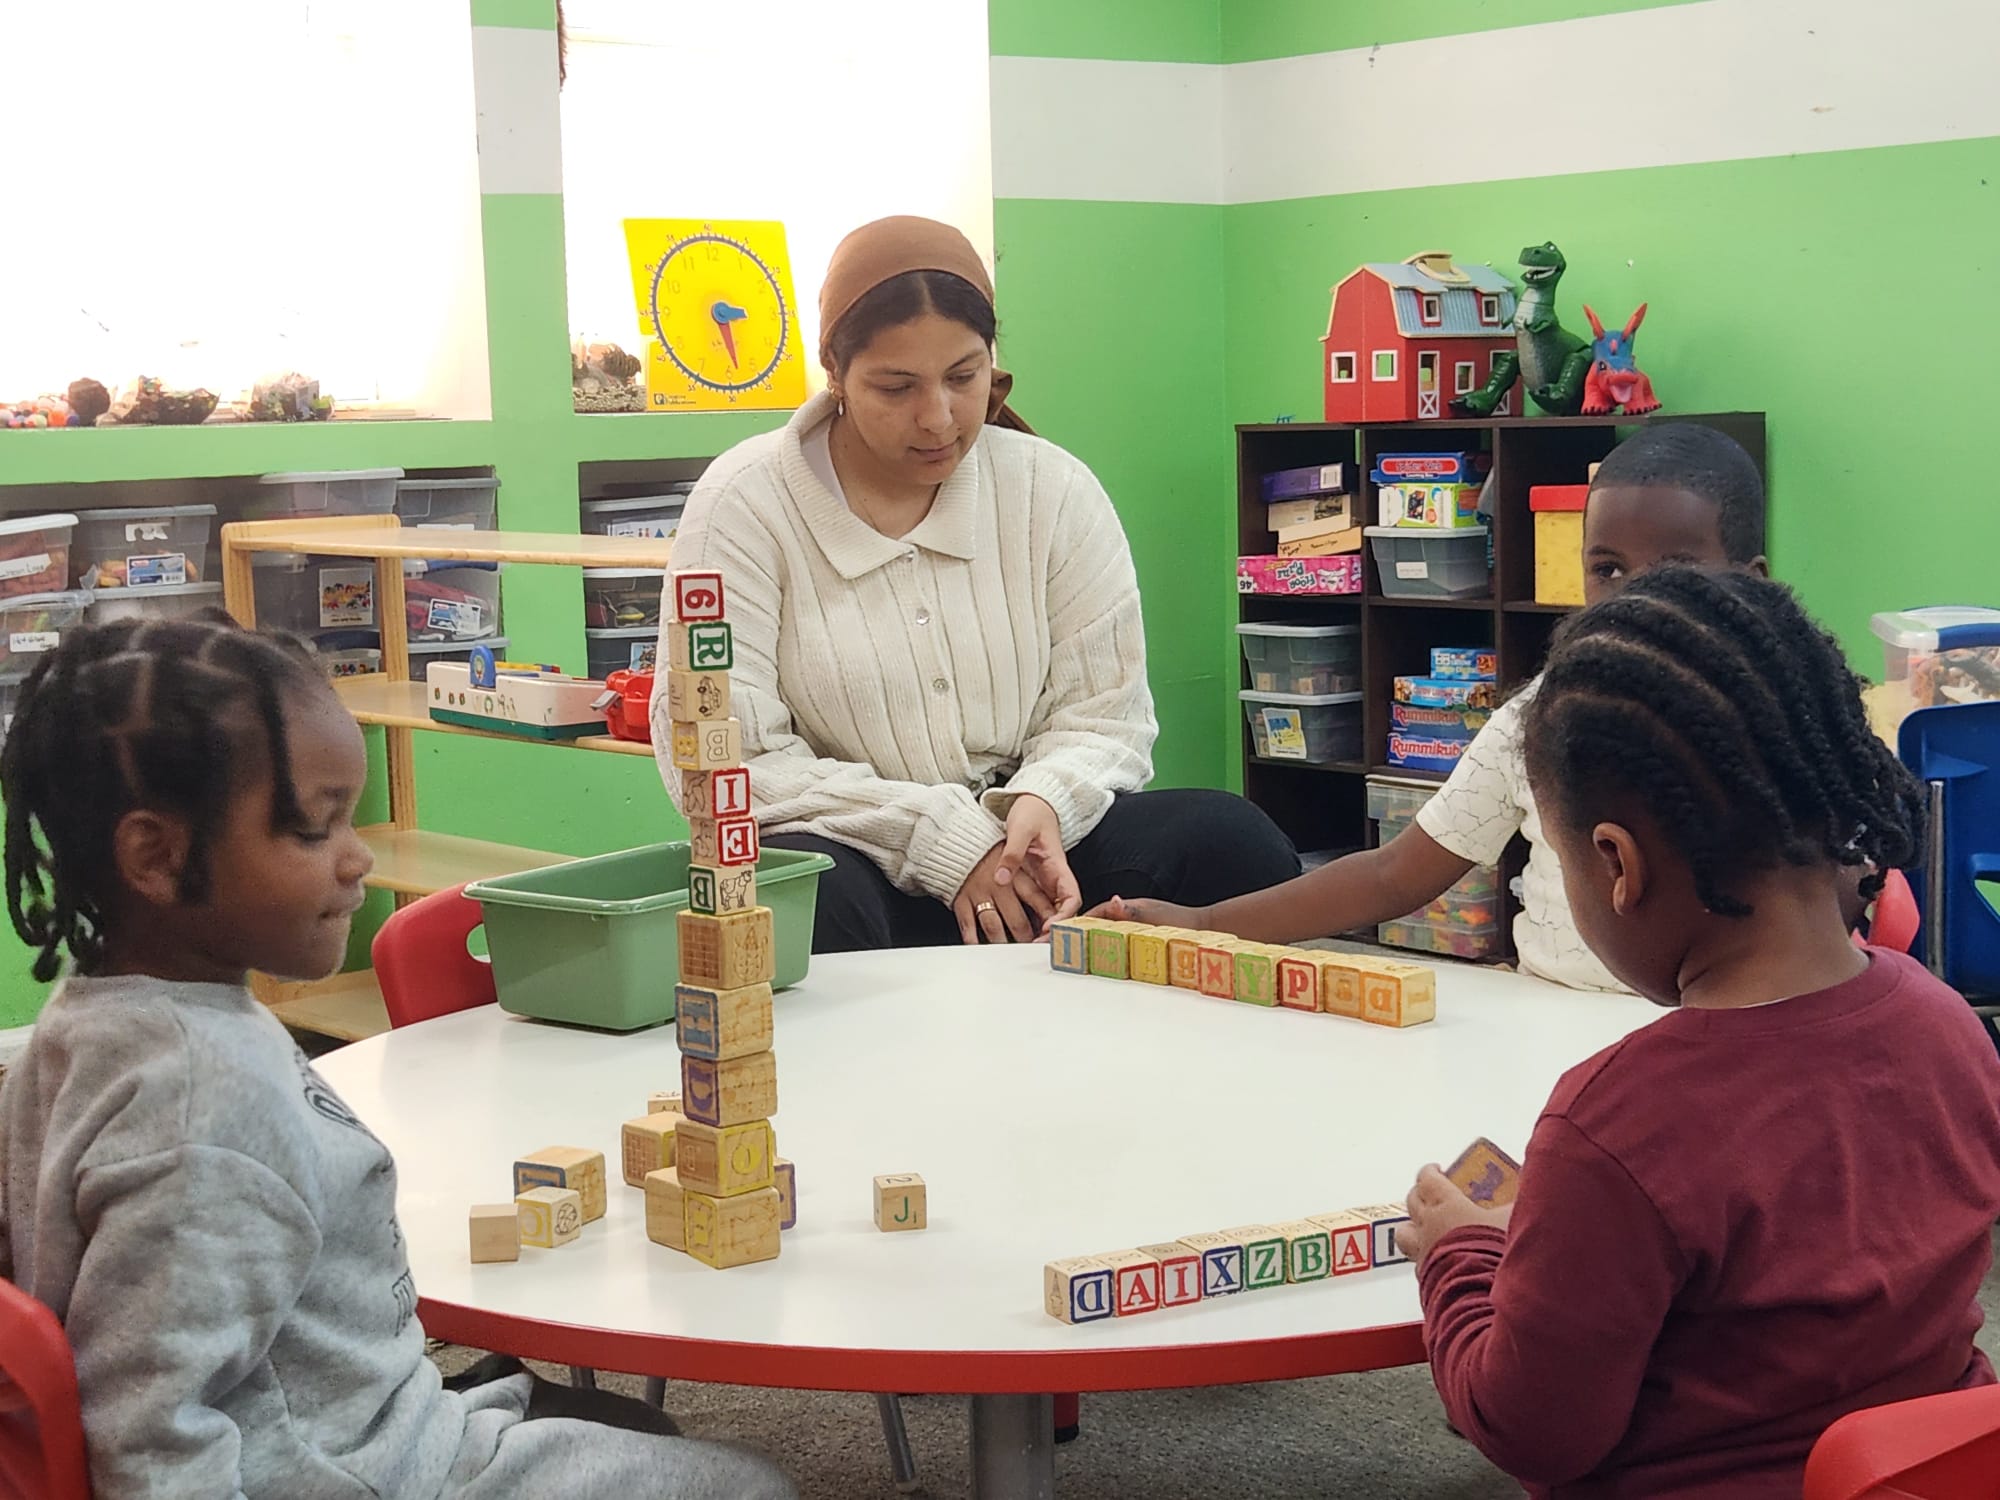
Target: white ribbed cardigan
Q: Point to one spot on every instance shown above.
(896, 694)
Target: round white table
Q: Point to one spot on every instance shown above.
(1049, 1114)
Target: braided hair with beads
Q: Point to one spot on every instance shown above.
(1711, 701)
(138, 714)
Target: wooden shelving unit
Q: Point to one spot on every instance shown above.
(1322, 806)
(409, 861)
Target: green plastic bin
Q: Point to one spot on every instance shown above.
(596, 942)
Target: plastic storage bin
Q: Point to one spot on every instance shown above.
(134, 548)
(333, 492)
(1558, 512)
(453, 504)
(621, 597)
(1310, 659)
(1317, 727)
(10, 692)
(638, 515)
(31, 624)
(355, 662)
(451, 601)
(169, 601)
(1417, 564)
(34, 554)
(595, 942)
(620, 650)
(1441, 937)
(308, 595)
(1945, 654)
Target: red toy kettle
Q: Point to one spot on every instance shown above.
(629, 712)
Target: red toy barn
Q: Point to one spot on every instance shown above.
(1403, 339)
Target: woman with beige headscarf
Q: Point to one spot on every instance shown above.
(940, 665)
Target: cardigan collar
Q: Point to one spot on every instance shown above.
(851, 545)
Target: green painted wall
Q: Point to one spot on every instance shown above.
(1124, 30)
(1256, 29)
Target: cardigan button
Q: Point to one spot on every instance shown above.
(939, 685)
(923, 616)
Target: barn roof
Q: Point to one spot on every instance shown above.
(1458, 288)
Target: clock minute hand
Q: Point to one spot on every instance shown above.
(724, 315)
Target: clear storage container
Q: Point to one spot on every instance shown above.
(132, 547)
(1417, 564)
(1944, 654)
(619, 598)
(309, 595)
(34, 554)
(1310, 659)
(167, 601)
(451, 504)
(446, 600)
(358, 661)
(1318, 727)
(10, 692)
(620, 649)
(1441, 937)
(638, 515)
(331, 492)
(32, 624)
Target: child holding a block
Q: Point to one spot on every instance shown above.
(1773, 1206)
(1674, 492)
(214, 1227)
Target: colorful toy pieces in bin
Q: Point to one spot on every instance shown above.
(1434, 719)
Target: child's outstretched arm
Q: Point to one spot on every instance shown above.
(1375, 885)
(1539, 1361)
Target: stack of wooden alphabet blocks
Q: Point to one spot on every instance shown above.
(1381, 990)
(720, 1199)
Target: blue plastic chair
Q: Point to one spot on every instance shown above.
(1955, 751)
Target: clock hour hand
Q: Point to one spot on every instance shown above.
(724, 316)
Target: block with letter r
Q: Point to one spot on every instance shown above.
(701, 646)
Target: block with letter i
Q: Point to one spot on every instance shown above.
(1069, 947)
(721, 793)
(1180, 1272)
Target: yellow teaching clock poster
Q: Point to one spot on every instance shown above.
(717, 312)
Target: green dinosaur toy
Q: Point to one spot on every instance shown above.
(1551, 362)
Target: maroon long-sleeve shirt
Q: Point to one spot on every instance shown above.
(1733, 1227)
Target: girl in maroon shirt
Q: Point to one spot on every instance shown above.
(1774, 1205)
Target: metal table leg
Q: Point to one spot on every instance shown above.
(1013, 1448)
(902, 1462)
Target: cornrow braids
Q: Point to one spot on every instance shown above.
(130, 715)
(1712, 700)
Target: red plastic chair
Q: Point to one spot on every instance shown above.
(41, 1424)
(1943, 1447)
(1895, 920)
(422, 963)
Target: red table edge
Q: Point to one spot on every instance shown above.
(909, 1372)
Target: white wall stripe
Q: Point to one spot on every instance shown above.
(1721, 80)
(520, 125)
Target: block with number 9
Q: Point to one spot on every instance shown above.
(697, 595)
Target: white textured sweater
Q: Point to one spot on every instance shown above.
(896, 694)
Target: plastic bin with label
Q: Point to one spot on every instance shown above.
(1414, 563)
(1309, 659)
(620, 650)
(34, 554)
(1313, 727)
(621, 597)
(589, 942)
(308, 595)
(33, 624)
(166, 601)
(326, 492)
(1940, 655)
(356, 661)
(445, 600)
(638, 515)
(133, 547)
(452, 504)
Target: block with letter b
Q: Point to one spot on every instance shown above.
(707, 744)
(700, 646)
(697, 595)
(715, 890)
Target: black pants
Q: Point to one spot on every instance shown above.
(547, 1399)
(1193, 847)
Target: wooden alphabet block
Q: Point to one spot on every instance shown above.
(1146, 957)
(731, 1092)
(666, 1209)
(697, 594)
(1340, 985)
(1486, 1174)
(901, 1202)
(1069, 948)
(646, 1145)
(1184, 961)
(716, 890)
(565, 1167)
(721, 1024)
(664, 1103)
(549, 1216)
(1217, 976)
(1308, 1250)
(716, 794)
(729, 951)
(1135, 1282)
(697, 695)
(1256, 975)
(705, 646)
(702, 845)
(1263, 1256)
(1352, 1241)
(1298, 980)
(1395, 994)
(785, 1178)
(707, 744)
(1383, 1220)
(495, 1231)
(1180, 1272)
(726, 1160)
(736, 842)
(1221, 1262)
(724, 1232)
(1078, 1289)
(1109, 952)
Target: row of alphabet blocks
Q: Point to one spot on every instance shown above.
(1228, 968)
(1254, 1258)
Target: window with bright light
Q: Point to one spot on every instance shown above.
(212, 194)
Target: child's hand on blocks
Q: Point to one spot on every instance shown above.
(1437, 1206)
(1152, 913)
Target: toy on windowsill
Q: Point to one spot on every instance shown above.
(1548, 360)
(1615, 379)
(536, 701)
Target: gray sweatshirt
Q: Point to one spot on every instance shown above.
(217, 1232)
